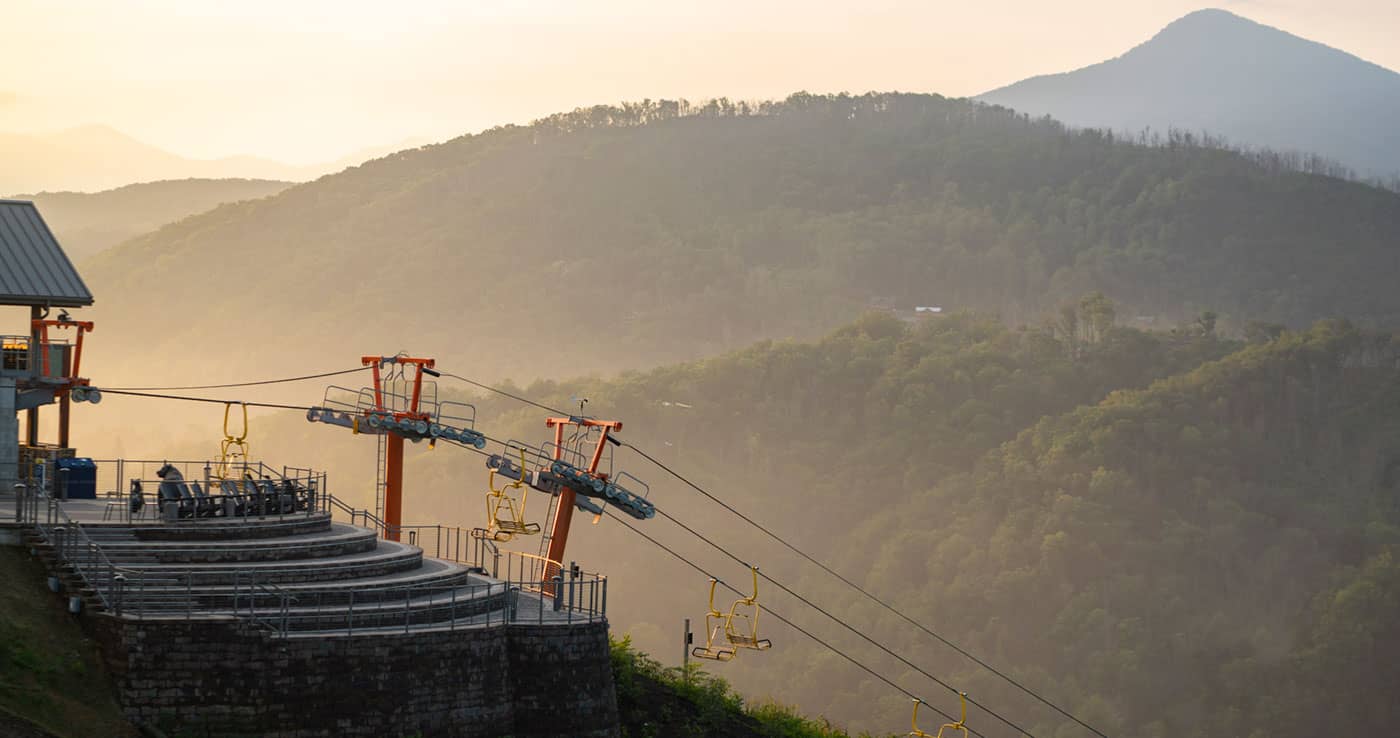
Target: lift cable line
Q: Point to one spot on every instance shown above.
(892, 684)
(502, 392)
(716, 546)
(844, 624)
(236, 384)
(671, 551)
(866, 593)
(204, 399)
(857, 588)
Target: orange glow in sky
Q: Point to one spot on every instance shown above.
(310, 80)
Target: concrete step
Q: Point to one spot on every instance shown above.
(371, 610)
(433, 574)
(253, 527)
(385, 559)
(334, 541)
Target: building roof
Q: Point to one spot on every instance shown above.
(33, 268)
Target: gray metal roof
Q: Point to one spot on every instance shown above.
(33, 268)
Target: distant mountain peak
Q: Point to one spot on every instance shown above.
(1255, 85)
(1211, 17)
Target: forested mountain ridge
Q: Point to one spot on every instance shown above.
(1207, 551)
(1162, 550)
(1251, 84)
(89, 223)
(776, 219)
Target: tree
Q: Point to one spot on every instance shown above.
(1097, 312)
(1258, 331)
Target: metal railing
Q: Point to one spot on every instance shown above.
(115, 478)
(69, 540)
(456, 544)
(523, 588)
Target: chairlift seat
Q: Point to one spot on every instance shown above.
(256, 504)
(207, 506)
(519, 529)
(171, 495)
(718, 653)
(231, 491)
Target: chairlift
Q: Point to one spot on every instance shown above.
(233, 450)
(960, 725)
(505, 518)
(715, 623)
(741, 628)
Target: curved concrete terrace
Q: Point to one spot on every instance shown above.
(297, 574)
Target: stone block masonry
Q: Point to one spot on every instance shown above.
(217, 677)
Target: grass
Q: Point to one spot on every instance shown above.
(50, 671)
(655, 700)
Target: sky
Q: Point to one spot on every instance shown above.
(308, 81)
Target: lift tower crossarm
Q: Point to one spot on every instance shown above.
(376, 362)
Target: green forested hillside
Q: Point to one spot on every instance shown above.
(88, 223)
(1170, 533)
(625, 236)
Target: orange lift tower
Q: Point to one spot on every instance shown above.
(393, 456)
(65, 376)
(564, 511)
(572, 477)
(396, 409)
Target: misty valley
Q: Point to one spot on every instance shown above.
(873, 414)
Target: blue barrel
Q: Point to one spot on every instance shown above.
(82, 478)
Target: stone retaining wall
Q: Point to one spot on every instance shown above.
(216, 677)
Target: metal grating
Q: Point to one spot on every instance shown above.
(33, 268)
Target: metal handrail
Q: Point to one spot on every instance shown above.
(74, 546)
(571, 595)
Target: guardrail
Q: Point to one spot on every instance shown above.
(69, 540)
(113, 479)
(526, 588)
(455, 544)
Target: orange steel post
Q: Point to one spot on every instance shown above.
(564, 511)
(65, 410)
(373, 361)
(393, 485)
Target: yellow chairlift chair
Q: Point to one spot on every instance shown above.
(505, 518)
(716, 622)
(960, 725)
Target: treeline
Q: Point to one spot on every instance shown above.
(1169, 533)
(649, 111)
(1276, 161)
(763, 220)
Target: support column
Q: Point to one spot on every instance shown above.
(65, 407)
(393, 485)
(36, 360)
(9, 436)
(559, 532)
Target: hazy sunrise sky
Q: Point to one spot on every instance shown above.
(307, 81)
